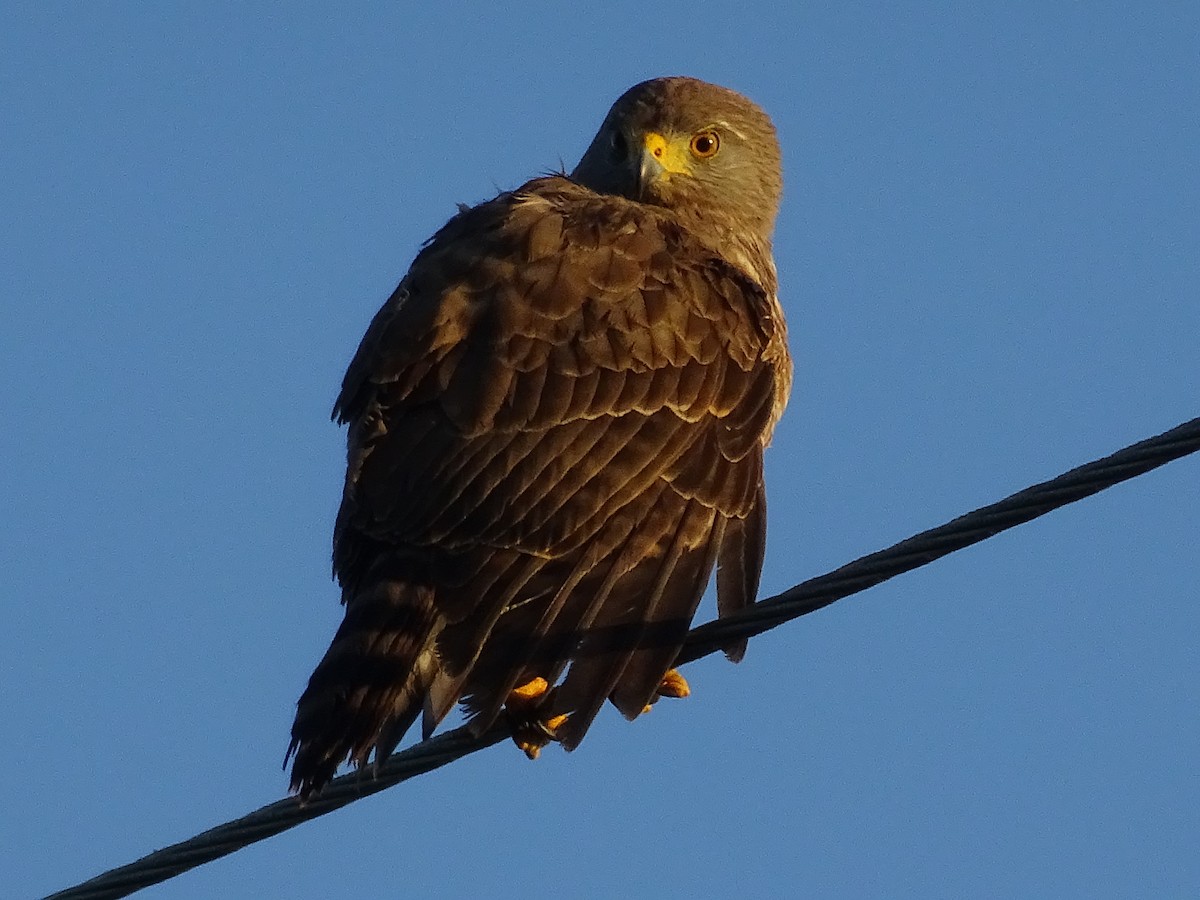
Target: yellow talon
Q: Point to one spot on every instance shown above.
(530, 691)
(530, 733)
(674, 685)
(531, 748)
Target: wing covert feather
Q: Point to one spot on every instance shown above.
(564, 403)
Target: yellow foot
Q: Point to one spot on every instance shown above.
(672, 685)
(531, 732)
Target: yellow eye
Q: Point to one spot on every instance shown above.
(705, 144)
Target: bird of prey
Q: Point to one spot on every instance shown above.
(556, 432)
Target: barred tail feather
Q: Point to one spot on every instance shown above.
(369, 686)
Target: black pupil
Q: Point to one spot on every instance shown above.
(704, 144)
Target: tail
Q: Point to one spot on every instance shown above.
(369, 687)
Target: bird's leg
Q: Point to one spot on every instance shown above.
(530, 731)
(672, 685)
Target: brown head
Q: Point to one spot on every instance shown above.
(701, 150)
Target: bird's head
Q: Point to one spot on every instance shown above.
(701, 150)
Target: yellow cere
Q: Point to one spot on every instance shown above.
(673, 157)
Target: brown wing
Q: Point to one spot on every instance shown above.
(557, 425)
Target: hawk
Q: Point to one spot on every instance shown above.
(556, 432)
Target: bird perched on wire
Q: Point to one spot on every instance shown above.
(556, 431)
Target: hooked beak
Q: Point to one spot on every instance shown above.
(649, 171)
(659, 160)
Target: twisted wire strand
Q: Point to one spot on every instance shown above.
(811, 595)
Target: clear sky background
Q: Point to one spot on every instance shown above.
(990, 258)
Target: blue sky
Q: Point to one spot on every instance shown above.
(989, 254)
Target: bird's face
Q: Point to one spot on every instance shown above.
(691, 147)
